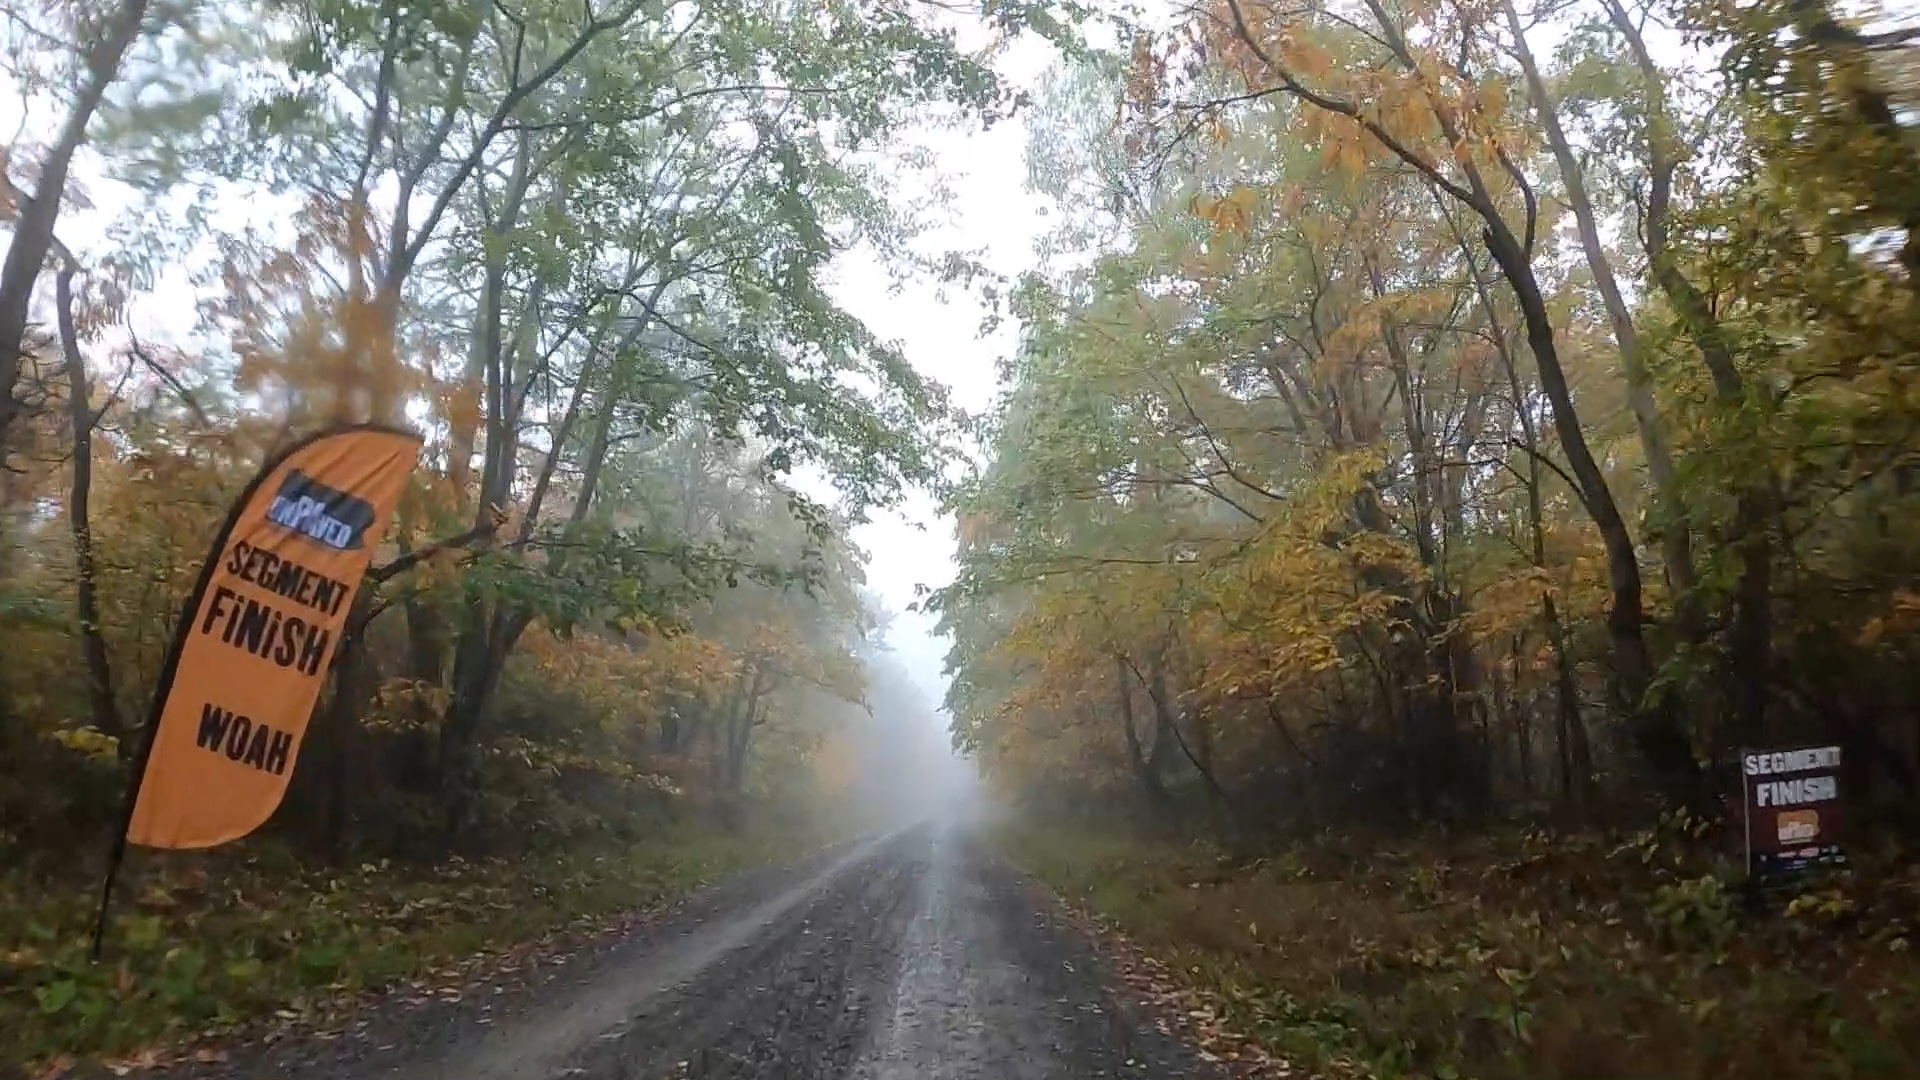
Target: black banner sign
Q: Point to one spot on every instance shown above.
(1792, 807)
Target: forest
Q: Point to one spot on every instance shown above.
(1443, 436)
(619, 638)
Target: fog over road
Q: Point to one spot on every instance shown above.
(912, 956)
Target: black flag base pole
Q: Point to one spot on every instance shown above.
(118, 854)
(106, 893)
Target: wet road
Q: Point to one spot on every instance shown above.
(914, 956)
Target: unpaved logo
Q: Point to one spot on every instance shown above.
(1797, 826)
(318, 512)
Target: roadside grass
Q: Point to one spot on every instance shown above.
(1517, 956)
(203, 945)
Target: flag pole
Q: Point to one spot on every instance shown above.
(118, 853)
(114, 859)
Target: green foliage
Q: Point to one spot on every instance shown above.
(259, 937)
(1529, 955)
(1699, 910)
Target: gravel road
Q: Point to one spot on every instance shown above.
(913, 956)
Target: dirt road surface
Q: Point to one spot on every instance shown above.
(912, 956)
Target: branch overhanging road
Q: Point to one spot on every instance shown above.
(916, 955)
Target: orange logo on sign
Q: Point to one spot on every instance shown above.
(1798, 826)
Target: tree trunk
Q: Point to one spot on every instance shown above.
(1750, 637)
(741, 738)
(426, 641)
(1676, 534)
(1168, 718)
(353, 687)
(1146, 775)
(666, 738)
(1574, 754)
(106, 715)
(1656, 730)
(720, 731)
(1517, 716)
(33, 229)
(475, 674)
(735, 740)
(1576, 750)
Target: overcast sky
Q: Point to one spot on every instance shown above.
(991, 212)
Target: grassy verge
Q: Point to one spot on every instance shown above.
(203, 946)
(1517, 957)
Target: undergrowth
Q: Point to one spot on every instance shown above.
(203, 945)
(1520, 956)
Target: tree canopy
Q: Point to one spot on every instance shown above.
(584, 249)
(1431, 409)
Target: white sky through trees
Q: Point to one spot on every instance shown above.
(992, 213)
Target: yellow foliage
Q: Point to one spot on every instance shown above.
(1491, 96)
(1231, 215)
(88, 742)
(401, 703)
(314, 348)
(1302, 56)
